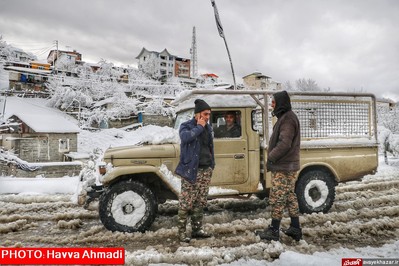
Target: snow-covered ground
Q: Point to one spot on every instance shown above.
(363, 222)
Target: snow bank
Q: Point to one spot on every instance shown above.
(31, 186)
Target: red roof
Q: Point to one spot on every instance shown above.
(210, 75)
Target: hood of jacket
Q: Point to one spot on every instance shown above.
(283, 103)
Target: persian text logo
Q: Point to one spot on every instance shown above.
(352, 262)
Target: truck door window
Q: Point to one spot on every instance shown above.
(227, 124)
(257, 121)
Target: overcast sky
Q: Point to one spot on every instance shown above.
(344, 45)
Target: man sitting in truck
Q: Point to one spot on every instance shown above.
(231, 129)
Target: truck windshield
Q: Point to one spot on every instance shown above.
(183, 117)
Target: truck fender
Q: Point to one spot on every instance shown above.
(319, 165)
(171, 181)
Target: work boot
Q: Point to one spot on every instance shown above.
(269, 234)
(196, 223)
(293, 232)
(181, 225)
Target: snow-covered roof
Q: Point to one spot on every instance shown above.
(257, 74)
(40, 118)
(145, 51)
(210, 75)
(27, 70)
(104, 102)
(186, 100)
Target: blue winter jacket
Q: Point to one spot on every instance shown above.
(190, 149)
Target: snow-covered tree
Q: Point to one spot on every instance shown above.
(388, 131)
(101, 95)
(6, 50)
(151, 68)
(11, 53)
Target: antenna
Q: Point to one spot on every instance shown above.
(193, 52)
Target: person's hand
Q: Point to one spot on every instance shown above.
(201, 121)
(268, 165)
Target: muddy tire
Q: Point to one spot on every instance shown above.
(315, 191)
(128, 207)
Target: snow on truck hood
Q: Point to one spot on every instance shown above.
(144, 151)
(148, 141)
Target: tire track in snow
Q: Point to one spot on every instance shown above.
(375, 185)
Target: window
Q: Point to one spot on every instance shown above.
(63, 145)
(226, 124)
(257, 120)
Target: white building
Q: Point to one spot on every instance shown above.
(163, 65)
(258, 81)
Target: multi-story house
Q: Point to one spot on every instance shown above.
(258, 81)
(208, 78)
(58, 55)
(64, 61)
(21, 56)
(27, 77)
(162, 65)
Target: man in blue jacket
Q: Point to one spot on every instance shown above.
(197, 162)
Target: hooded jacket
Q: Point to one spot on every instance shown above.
(284, 144)
(190, 149)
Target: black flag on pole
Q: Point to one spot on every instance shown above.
(221, 33)
(218, 22)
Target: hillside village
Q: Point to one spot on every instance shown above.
(65, 90)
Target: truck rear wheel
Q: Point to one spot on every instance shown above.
(315, 191)
(128, 207)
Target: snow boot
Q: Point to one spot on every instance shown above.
(269, 234)
(293, 232)
(196, 222)
(181, 225)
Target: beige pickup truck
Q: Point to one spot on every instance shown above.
(338, 144)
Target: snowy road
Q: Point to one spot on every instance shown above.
(365, 213)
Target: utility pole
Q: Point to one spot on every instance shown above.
(56, 53)
(193, 52)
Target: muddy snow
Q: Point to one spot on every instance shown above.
(364, 216)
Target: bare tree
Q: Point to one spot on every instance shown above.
(307, 85)
(288, 86)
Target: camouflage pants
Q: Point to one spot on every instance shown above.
(282, 194)
(195, 195)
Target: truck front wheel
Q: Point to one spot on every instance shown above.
(315, 191)
(128, 207)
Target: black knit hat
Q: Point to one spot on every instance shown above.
(201, 105)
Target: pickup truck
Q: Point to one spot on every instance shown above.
(338, 144)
